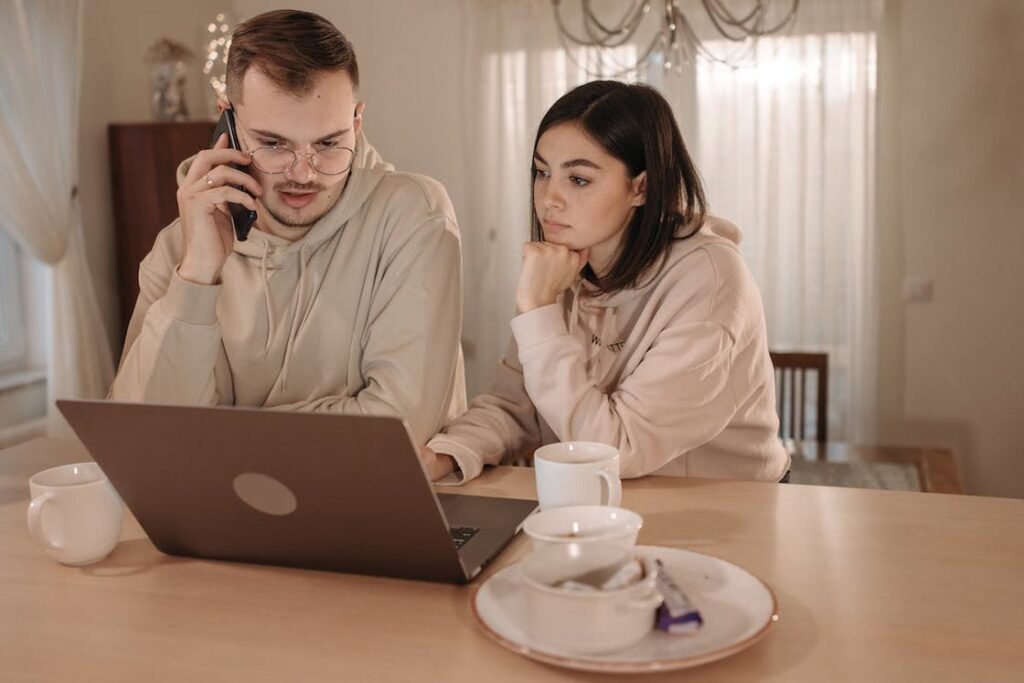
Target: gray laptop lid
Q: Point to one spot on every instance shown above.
(337, 492)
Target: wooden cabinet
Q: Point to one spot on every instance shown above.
(143, 160)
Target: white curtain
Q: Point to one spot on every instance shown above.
(785, 145)
(40, 63)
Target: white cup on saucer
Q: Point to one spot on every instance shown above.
(586, 622)
(577, 473)
(75, 513)
(583, 524)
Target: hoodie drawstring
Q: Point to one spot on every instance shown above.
(296, 320)
(575, 310)
(266, 297)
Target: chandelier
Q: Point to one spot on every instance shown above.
(675, 41)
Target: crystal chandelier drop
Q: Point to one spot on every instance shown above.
(675, 42)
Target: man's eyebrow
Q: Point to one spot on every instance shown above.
(275, 136)
(569, 164)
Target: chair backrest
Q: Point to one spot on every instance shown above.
(791, 370)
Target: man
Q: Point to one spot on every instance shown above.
(346, 296)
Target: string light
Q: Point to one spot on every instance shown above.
(217, 45)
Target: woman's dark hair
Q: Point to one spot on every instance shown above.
(634, 124)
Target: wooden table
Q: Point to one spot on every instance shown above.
(872, 586)
(936, 467)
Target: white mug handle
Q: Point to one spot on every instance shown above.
(35, 526)
(614, 488)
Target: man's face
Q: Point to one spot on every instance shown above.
(326, 117)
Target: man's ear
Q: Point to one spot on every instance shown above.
(357, 120)
(222, 105)
(639, 190)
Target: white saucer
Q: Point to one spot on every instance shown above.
(738, 608)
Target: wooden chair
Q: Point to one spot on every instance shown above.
(791, 375)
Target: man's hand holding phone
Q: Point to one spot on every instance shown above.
(207, 232)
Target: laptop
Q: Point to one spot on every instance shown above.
(340, 493)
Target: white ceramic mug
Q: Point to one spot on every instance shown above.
(75, 513)
(575, 472)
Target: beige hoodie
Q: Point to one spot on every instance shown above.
(674, 373)
(361, 315)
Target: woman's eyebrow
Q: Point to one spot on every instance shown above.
(580, 162)
(569, 164)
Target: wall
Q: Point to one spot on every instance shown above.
(949, 173)
(951, 212)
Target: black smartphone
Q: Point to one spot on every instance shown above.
(241, 216)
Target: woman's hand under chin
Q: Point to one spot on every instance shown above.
(548, 270)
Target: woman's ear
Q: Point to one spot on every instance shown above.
(639, 189)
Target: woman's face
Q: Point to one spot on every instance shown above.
(583, 196)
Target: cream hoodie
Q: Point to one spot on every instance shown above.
(361, 315)
(674, 373)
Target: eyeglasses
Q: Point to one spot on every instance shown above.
(328, 161)
(278, 160)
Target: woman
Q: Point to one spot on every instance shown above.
(639, 325)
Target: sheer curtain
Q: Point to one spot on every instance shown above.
(785, 144)
(39, 94)
(786, 147)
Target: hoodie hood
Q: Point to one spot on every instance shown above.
(714, 231)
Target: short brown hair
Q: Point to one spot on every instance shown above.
(291, 48)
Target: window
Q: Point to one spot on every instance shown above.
(23, 390)
(786, 148)
(13, 329)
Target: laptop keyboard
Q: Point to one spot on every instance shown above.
(462, 534)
